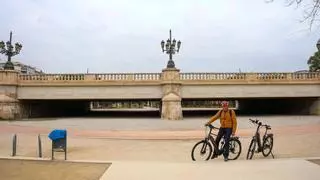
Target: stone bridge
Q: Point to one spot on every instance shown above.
(170, 87)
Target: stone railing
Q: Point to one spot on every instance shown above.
(249, 76)
(288, 76)
(303, 76)
(52, 77)
(183, 77)
(133, 76)
(91, 77)
(273, 76)
(212, 76)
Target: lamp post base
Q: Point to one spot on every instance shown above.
(8, 66)
(170, 64)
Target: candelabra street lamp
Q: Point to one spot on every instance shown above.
(8, 50)
(170, 47)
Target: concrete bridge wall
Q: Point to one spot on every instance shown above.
(155, 91)
(250, 90)
(90, 92)
(171, 86)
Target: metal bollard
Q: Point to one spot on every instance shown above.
(39, 146)
(14, 145)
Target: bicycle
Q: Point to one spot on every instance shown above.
(267, 141)
(210, 143)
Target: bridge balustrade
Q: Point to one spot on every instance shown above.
(219, 77)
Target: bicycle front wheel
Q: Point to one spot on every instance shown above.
(201, 151)
(234, 149)
(251, 149)
(267, 146)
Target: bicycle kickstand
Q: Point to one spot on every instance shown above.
(272, 155)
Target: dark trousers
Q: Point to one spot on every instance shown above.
(226, 133)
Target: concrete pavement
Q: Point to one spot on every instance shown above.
(132, 159)
(262, 169)
(284, 169)
(154, 123)
(155, 128)
(155, 134)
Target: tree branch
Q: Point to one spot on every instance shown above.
(310, 14)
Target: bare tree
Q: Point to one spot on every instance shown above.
(311, 9)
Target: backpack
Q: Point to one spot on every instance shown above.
(230, 113)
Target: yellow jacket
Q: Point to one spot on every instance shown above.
(225, 120)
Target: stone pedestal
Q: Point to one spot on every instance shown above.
(9, 108)
(171, 107)
(171, 99)
(9, 105)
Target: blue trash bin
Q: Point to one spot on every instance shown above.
(59, 142)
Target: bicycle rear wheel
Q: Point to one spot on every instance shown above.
(267, 146)
(201, 151)
(234, 149)
(252, 148)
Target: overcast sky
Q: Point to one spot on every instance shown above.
(69, 36)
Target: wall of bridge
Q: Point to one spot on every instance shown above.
(155, 91)
(150, 85)
(89, 92)
(250, 90)
(63, 93)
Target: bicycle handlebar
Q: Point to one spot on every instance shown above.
(211, 126)
(267, 126)
(260, 124)
(254, 121)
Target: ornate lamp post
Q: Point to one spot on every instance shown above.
(9, 51)
(170, 48)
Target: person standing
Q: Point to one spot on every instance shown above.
(228, 126)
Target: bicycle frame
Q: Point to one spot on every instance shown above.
(210, 137)
(258, 137)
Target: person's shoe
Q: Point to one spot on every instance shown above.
(214, 156)
(226, 159)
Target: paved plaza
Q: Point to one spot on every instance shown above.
(151, 148)
(155, 128)
(289, 169)
(154, 123)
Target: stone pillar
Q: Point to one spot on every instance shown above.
(9, 105)
(171, 98)
(315, 107)
(9, 108)
(251, 77)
